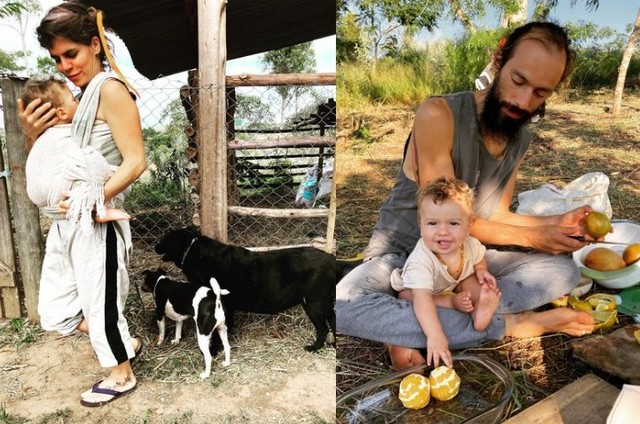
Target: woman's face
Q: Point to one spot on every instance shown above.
(78, 62)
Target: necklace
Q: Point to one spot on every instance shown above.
(455, 274)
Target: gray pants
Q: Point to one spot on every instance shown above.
(84, 275)
(366, 305)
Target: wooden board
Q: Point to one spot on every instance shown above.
(586, 400)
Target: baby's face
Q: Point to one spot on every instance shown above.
(69, 104)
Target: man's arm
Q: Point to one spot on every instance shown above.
(548, 234)
(432, 138)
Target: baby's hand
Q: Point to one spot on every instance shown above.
(438, 348)
(65, 203)
(485, 277)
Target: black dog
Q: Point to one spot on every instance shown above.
(263, 282)
(180, 301)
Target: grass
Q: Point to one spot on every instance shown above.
(577, 136)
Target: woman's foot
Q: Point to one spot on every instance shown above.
(559, 320)
(404, 357)
(106, 391)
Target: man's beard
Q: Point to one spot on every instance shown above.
(496, 123)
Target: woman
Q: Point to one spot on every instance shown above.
(84, 283)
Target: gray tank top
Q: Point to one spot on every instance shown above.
(397, 230)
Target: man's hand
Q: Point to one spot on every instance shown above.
(36, 117)
(555, 240)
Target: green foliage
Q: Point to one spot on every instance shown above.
(252, 112)
(153, 193)
(290, 60)
(465, 58)
(350, 40)
(598, 55)
(17, 332)
(11, 8)
(440, 67)
(9, 61)
(45, 66)
(7, 418)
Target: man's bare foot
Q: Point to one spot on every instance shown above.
(404, 357)
(559, 320)
(462, 302)
(488, 301)
(113, 215)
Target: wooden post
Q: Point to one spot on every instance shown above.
(25, 214)
(9, 299)
(212, 57)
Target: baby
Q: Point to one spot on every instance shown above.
(446, 259)
(58, 168)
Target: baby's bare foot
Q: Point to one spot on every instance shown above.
(113, 215)
(462, 302)
(486, 305)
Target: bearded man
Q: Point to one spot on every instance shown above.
(481, 138)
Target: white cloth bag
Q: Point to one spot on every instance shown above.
(589, 189)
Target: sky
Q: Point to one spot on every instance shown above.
(615, 14)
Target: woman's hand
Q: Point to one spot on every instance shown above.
(36, 117)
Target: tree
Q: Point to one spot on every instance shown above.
(290, 60)
(10, 8)
(624, 65)
(350, 39)
(21, 12)
(9, 62)
(379, 19)
(253, 112)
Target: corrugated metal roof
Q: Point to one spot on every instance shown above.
(162, 35)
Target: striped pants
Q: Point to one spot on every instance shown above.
(84, 276)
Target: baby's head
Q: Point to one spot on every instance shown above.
(445, 200)
(54, 91)
(447, 188)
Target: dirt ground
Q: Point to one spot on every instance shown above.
(576, 136)
(271, 379)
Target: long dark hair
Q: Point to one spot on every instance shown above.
(71, 20)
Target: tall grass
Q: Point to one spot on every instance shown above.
(447, 66)
(438, 67)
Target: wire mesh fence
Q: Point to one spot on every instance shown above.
(281, 150)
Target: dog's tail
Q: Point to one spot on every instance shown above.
(345, 265)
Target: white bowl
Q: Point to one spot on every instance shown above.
(623, 232)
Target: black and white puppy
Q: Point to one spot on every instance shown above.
(262, 282)
(180, 301)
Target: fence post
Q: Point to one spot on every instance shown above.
(25, 214)
(212, 135)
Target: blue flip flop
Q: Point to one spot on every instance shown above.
(105, 391)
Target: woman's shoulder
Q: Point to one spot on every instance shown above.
(114, 88)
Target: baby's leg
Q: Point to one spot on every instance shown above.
(112, 214)
(485, 301)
